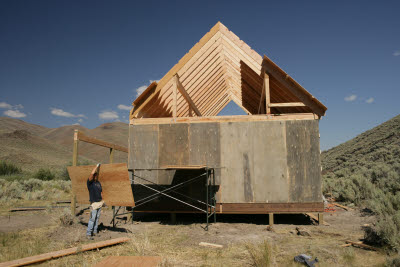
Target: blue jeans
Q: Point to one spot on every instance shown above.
(93, 222)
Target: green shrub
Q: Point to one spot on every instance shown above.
(33, 189)
(44, 174)
(8, 168)
(394, 262)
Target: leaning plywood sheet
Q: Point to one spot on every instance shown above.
(114, 179)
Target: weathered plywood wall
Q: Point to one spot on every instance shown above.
(255, 161)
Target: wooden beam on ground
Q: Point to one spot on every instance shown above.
(64, 252)
(293, 104)
(91, 140)
(211, 245)
(186, 95)
(341, 206)
(361, 245)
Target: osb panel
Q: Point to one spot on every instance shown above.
(114, 179)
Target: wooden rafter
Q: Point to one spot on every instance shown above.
(186, 95)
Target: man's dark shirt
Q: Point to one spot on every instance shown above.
(94, 188)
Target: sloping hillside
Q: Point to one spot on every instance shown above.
(378, 145)
(366, 171)
(8, 125)
(32, 152)
(33, 146)
(374, 155)
(115, 132)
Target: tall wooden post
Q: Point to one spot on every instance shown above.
(111, 155)
(74, 163)
(267, 93)
(175, 96)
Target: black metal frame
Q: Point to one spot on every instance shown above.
(210, 203)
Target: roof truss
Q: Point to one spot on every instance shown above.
(218, 69)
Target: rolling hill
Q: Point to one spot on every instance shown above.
(33, 146)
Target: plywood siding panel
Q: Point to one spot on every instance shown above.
(204, 146)
(236, 163)
(270, 161)
(173, 144)
(303, 165)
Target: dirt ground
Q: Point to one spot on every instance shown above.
(178, 243)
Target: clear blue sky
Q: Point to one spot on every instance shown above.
(64, 62)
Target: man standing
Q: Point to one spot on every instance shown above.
(96, 201)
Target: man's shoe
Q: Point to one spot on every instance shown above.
(96, 234)
(89, 237)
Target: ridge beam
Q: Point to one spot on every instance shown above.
(186, 95)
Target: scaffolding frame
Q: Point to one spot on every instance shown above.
(209, 204)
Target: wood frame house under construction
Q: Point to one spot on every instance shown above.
(265, 162)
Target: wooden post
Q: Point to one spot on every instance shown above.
(175, 95)
(173, 218)
(111, 155)
(320, 218)
(74, 163)
(267, 93)
(271, 219)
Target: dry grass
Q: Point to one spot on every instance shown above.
(178, 245)
(172, 245)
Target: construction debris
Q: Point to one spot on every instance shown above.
(204, 244)
(302, 232)
(64, 252)
(306, 260)
(360, 244)
(341, 206)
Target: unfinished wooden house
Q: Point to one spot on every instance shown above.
(267, 161)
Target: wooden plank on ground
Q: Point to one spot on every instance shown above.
(64, 252)
(361, 245)
(205, 244)
(114, 179)
(341, 206)
(136, 261)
